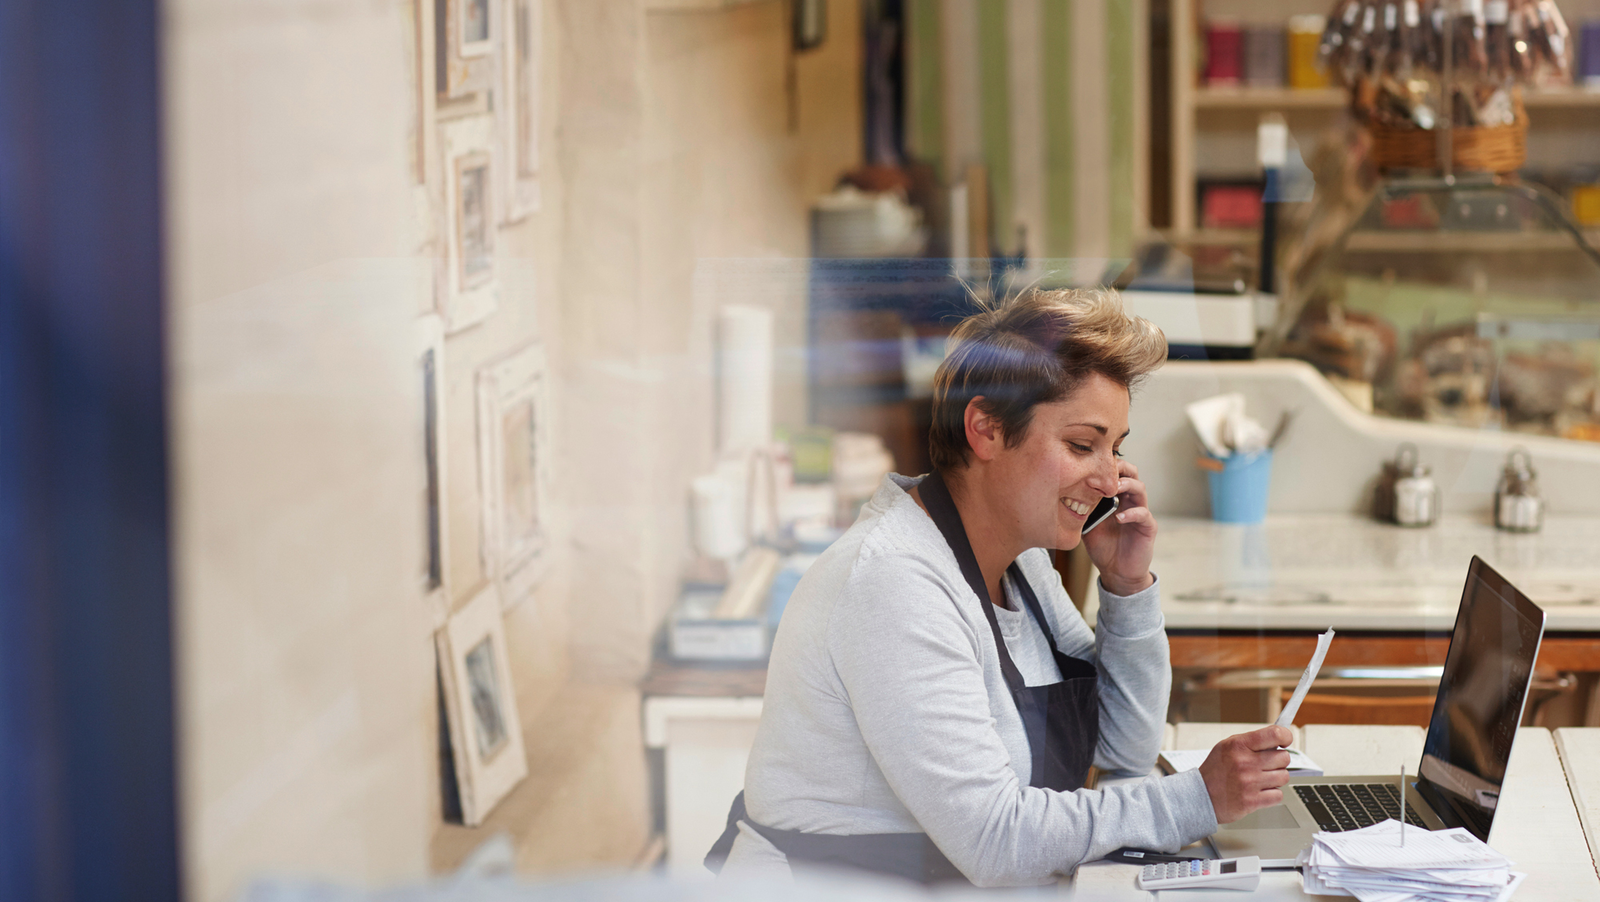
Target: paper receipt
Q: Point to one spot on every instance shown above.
(1292, 707)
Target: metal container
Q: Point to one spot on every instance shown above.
(1517, 504)
(1406, 493)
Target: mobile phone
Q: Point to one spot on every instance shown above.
(1104, 509)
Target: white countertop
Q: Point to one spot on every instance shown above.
(1313, 571)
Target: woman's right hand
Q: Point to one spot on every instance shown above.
(1246, 772)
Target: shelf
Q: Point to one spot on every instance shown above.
(692, 6)
(1548, 98)
(1399, 241)
(1213, 237)
(1242, 98)
(1270, 98)
(1402, 241)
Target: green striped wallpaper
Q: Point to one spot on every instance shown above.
(1063, 179)
(925, 83)
(1060, 161)
(994, 111)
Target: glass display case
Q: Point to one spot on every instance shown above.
(1471, 301)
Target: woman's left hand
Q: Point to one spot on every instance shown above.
(1123, 545)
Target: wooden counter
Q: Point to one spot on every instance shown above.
(1267, 650)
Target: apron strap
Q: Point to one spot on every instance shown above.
(1070, 667)
(1034, 608)
(718, 856)
(942, 508)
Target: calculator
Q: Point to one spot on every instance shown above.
(1224, 873)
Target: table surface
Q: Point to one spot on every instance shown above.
(1537, 825)
(1312, 571)
(1579, 748)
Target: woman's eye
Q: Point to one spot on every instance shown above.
(1117, 453)
(1081, 449)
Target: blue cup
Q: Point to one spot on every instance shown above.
(1239, 490)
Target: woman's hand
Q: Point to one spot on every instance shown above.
(1123, 545)
(1247, 772)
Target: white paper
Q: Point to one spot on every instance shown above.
(1223, 427)
(1436, 866)
(1378, 846)
(1190, 759)
(1208, 415)
(1293, 707)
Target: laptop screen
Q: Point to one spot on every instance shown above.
(1479, 706)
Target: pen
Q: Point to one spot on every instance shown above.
(1402, 805)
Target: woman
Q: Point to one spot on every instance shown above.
(934, 699)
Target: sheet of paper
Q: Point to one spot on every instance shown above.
(1190, 759)
(1293, 707)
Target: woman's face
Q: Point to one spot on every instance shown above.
(1066, 464)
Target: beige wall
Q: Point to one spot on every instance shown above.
(305, 670)
(306, 663)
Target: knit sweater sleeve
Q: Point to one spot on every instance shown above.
(909, 665)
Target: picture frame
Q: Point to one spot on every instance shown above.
(514, 467)
(471, 292)
(422, 142)
(518, 116)
(484, 728)
(473, 35)
(810, 26)
(464, 43)
(435, 571)
(416, 53)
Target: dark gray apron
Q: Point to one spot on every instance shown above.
(1062, 722)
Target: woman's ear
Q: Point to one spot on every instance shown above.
(983, 431)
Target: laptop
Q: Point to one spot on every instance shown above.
(1475, 718)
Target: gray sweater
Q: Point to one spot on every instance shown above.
(886, 712)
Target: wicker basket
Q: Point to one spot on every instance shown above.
(1500, 148)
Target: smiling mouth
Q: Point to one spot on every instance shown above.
(1077, 507)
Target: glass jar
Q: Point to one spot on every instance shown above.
(1517, 504)
(1416, 495)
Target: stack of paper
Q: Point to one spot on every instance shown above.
(1373, 865)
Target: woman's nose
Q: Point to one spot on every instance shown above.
(1105, 477)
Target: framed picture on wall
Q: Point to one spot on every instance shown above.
(435, 569)
(518, 116)
(810, 23)
(485, 731)
(514, 465)
(416, 53)
(465, 46)
(471, 292)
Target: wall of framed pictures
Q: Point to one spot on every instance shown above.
(441, 335)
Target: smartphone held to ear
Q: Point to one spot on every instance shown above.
(1104, 509)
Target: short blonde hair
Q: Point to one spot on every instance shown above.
(1031, 350)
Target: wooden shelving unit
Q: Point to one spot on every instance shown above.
(1208, 117)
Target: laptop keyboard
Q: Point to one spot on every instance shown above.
(1350, 806)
